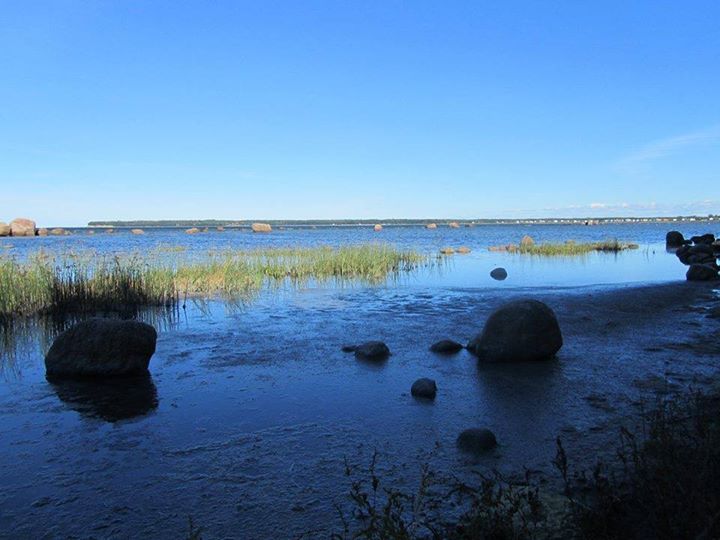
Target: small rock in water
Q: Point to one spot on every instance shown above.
(499, 274)
(378, 228)
(446, 346)
(463, 250)
(424, 388)
(447, 251)
(476, 440)
(349, 348)
(372, 350)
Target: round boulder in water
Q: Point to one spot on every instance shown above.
(102, 348)
(476, 440)
(372, 350)
(424, 389)
(446, 346)
(523, 330)
(499, 274)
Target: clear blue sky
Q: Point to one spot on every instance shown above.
(121, 109)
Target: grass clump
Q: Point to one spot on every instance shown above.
(569, 248)
(86, 282)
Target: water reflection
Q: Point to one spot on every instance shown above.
(109, 399)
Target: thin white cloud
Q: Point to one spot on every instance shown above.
(666, 147)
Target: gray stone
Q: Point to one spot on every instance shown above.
(101, 348)
(476, 440)
(499, 274)
(523, 330)
(702, 272)
(424, 389)
(674, 239)
(446, 346)
(372, 350)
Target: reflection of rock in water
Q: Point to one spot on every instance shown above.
(109, 399)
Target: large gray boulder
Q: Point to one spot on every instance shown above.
(702, 272)
(674, 239)
(523, 330)
(22, 227)
(102, 348)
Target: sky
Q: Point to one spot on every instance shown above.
(308, 109)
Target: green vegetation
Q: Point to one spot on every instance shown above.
(569, 248)
(87, 282)
(662, 483)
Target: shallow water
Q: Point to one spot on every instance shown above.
(251, 410)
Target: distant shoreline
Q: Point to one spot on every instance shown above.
(402, 222)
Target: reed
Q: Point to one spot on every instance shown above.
(88, 282)
(572, 248)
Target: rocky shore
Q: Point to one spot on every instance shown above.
(699, 253)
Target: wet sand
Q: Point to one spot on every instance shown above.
(250, 414)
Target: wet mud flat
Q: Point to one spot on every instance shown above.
(250, 415)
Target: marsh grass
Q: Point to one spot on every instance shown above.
(569, 248)
(86, 282)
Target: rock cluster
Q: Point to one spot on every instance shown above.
(700, 253)
(19, 227)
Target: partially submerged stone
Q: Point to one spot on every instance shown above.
(424, 389)
(261, 227)
(22, 227)
(499, 274)
(446, 346)
(102, 348)
(523, 330)
(702, 272)
(476, 440)
(372, 350)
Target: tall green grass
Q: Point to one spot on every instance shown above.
(87, 282)
(572, 248)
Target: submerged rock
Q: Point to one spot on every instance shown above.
(523, 330)
(499, 274)
(102, 348)
(446, 346)
(702, 272)
(674, 239)
(349, 348)
(261, 227)
(424, 389)
(22, 227)
(476, 440)
(372, 350)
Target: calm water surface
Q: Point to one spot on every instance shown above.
(251, 408)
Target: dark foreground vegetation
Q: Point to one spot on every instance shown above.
(662, 483)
